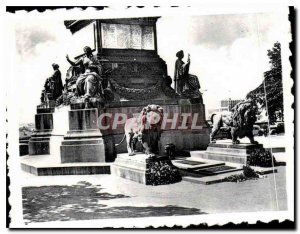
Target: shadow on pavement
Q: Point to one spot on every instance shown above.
(83, 202)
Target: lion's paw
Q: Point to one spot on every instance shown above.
(152, 155)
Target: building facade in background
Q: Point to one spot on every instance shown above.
(225, 105)
(228, 104)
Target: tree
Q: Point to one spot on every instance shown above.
(272, 85)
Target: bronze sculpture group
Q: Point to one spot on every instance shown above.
(88, 74)
(88, 83)
(85, 80)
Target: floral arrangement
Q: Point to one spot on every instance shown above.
(248, 174)
(162, 172)
(261, 158)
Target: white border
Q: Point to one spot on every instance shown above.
(156, 222)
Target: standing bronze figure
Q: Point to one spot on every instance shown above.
(56, 78)
(181, 72)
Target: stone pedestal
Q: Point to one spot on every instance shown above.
(39, 143)
(140, 167)
(228, 152)
(83, 142)
(23, 145)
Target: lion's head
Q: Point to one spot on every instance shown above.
(244, 114)
(243, 119)
(152, 117)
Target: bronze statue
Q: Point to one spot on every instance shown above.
(186, 85)
(88, 83)
(47, 92)
(53, 86)
(145, 129)
(57, 82)
(181, 72)
(241, 121)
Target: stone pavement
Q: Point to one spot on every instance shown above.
(176, 199)
(121, 198)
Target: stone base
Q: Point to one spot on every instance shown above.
(228, 152)
(23, 145)
(136, 168)
(48, 165)
(83, 142)
(39, 143)
(131, 167)
(82, 150)
(23, 148)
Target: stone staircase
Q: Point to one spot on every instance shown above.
(200, 170)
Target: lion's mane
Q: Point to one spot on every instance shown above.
(243, 119)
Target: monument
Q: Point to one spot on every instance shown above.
(119, 89)
(121, 75)
(133, 76)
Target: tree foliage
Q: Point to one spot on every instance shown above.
(272, 85)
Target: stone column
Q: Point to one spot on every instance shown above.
(83, 142)
(39, 143)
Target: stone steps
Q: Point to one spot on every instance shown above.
(227, 152)
(206, 180)
(44, 165)
(211, 171)
(216, 170)
(213, 179)
(199, 164)
(199, 167)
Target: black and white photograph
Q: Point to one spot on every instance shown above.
(149, 117)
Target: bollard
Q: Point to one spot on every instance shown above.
(170, 151)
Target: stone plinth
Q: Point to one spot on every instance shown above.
(139, 167)
(23, 145)
(47, 165)
(83, 142)
(228, 152)
(39, 143)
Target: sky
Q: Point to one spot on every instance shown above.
(228, 53)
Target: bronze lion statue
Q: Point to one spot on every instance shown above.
(145, 129)
(241, 121)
